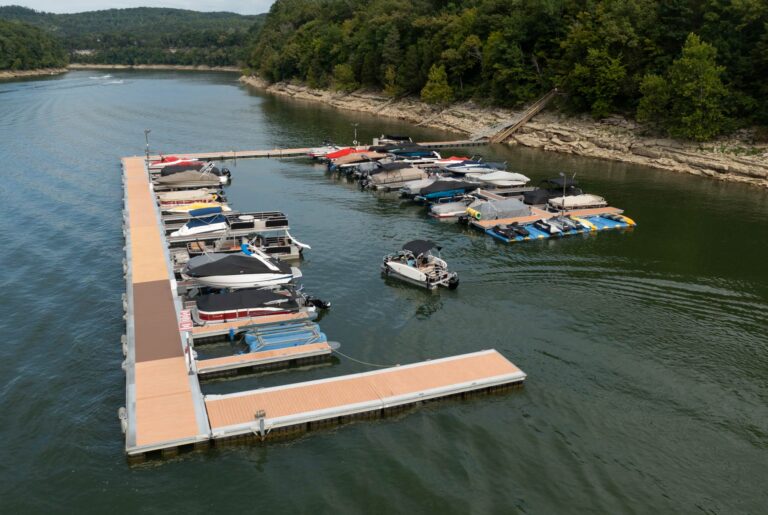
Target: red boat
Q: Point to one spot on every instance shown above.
(344, 152)
(171, 161)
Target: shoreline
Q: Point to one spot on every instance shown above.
(613, 138)
(38, 72)
(198, 68)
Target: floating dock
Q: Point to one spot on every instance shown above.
(165, 410)
(282, 411)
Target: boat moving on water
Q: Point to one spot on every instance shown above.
(416, 264)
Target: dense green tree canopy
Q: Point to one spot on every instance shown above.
(23, 47)
(147, 35)
(507, 52)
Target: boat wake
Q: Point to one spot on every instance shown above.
(101, 77)
(113, 82)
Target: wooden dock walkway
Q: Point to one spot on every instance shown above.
(164, 405)
(285, 410)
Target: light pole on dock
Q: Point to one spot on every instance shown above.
(146, 140)
(354, 141)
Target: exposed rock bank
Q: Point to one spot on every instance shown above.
(14, 74)
(615, 138)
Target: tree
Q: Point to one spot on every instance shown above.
(344, 78)
(689, 102)
(437, 90)
(598, 81)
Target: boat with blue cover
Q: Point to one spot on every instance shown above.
(273, 337)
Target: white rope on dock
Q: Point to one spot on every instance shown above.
(364, 362)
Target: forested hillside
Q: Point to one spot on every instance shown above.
(147, 35)
(23, 47)
(695, 68)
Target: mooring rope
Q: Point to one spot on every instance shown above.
(363, 362)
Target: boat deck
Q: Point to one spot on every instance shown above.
(292, 407)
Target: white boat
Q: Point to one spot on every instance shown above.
(203, 221)
(499, 178)
(416, 264)
(250, 270)
(454, 208)
(583, 201)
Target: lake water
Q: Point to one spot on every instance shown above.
(646, 349)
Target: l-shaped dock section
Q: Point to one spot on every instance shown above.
(165, 408)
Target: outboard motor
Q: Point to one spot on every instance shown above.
(319, 304)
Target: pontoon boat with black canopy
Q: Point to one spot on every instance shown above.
(416, 264)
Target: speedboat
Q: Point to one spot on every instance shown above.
(208, 168)
(321, 152)
(393, 179)
(412, 188)
(500, 179)
(389, 139)
(244, 270)
(227, 306)
(416, 264)
(170, 161)
(444, 188)
(203, 220)
(191, 179)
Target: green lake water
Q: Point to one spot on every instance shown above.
(646, 350)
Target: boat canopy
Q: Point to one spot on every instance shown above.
(206, 211)
(191, 165)
(245, 299)
(447, 185)
(232, 264)
(206, 220)
(507, 208)
(418, 247)
(395, 138)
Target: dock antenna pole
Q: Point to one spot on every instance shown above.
(562, 205)
(146, 140)
(354, 141)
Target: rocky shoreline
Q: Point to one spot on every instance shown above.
(614, 138)
(200, 68)
(16, 74)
